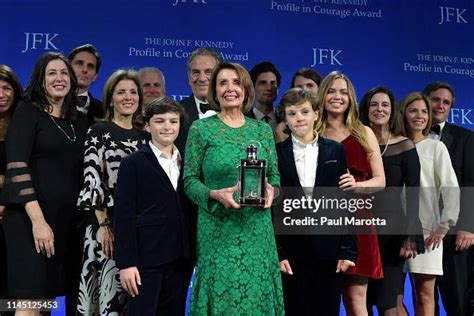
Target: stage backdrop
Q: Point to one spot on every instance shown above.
(401, 44)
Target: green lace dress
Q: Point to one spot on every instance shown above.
(237, 270)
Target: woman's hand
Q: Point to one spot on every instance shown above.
(343, 265)
(106, 238)
(130, 279)
(285, 267)
(269, 195)
(435, 239)
(347, 182)
(2, 212)
(43, 237)
(225, 196)
(408, 249)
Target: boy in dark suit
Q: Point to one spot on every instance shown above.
(312, 264)
(151, 220)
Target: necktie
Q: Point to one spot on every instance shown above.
(436, 129)
(82, 101)
(267, 118)
(204, 107)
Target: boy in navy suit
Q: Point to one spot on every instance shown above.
(151, 220)
(311, 264)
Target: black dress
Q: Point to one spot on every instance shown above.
(44, 163)
(402, 168)
(3, 247)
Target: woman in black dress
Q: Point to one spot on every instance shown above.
(11, 93)
(398, 240)
(44, 147)
(107, 143)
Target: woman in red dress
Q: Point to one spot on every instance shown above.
(339, 121)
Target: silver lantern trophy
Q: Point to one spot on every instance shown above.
(252, 178)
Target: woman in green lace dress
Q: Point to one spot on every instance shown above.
(237, 264)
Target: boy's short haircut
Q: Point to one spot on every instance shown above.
(164, 105)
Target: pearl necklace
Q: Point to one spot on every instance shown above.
(386, 144)
(71, 139)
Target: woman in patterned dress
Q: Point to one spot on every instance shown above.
(237, 270)
(106, 144)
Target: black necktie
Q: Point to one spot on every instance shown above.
(267, 118)
(82, 101)
(436, 129)
(204, 107)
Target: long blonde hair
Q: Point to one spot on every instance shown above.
(351, 116)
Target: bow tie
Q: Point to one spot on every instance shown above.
(436, 129)
(204, 107)
(82, 101)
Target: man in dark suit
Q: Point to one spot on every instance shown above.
(311, 263)
(200, 64)
(151, 226)
(86, 61)
(454, 284)
(266, 79)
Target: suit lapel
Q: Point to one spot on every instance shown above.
(446, 136)
(154, 161)
(322, 158)
(289, 162)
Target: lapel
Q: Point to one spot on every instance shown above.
(447, 137)
(323, 153)
(150, 155)
(192, 109)
(288, 161)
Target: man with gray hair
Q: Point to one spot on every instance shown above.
(152, 82)
(200, 64)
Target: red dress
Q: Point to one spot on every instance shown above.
(369, 263)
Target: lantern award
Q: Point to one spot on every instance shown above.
(252, 179)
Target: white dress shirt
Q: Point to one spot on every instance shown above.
(435, 136)
(272, 120)
(306, 161)
(203, 115)
(170, 166)
(84, 108)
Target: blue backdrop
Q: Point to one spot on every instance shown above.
(402, 44)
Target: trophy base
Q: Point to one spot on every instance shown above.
(252, 202)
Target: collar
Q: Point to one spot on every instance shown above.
(259, 115)
(299, 144)
(158, 153)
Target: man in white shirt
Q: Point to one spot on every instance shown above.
(453, 285)
(86, 62)
(200, 64)
(152, 82)
(266, 79)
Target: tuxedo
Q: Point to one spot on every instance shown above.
(96, 110)
(313, 258)
(151, 230)
(192, 114)
(454, 284)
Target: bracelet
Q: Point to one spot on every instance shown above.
(105, 223)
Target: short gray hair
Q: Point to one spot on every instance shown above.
(144, 70)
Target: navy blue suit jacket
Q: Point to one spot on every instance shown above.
(151, 225)
(192, 114)
(460, 144)
(310, 248)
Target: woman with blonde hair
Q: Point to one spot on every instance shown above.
(339, 121)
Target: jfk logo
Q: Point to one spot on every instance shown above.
(452, 15)
(176, 2)
(39, 41)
